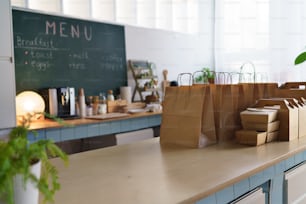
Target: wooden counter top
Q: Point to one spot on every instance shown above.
(48, 123)
(145, 172)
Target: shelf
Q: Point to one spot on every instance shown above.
(149, 89)
(142, 73)
(146, 78)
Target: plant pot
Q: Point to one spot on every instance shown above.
(211, 80)
(28, 193)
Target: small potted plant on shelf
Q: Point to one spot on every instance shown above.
(207, 76)
(18, 157)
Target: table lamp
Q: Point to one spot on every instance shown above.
(29, 106)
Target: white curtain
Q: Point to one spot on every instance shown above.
(268, 33)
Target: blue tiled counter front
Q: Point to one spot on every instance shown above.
(270, 179)
(96, 128)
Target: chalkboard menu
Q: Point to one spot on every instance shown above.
(56, 51)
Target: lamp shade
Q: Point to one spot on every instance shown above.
(29, 102)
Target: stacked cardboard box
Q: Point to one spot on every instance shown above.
(260, 125)
(288, 115)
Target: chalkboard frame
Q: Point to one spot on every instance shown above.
(102, 68)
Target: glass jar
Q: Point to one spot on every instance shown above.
(110, 95)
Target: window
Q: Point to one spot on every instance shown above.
(242, 34)
(174, 15)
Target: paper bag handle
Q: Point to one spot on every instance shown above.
(180, 78)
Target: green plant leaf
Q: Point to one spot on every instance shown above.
(300, 58)
(18, 153)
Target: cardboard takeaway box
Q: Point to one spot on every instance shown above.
(258, 116)
(272, 136)
(271, 129)
(251, 137)
(260, 120)
(300, 104)
(266, 127)
(302, 117)
(287, 115)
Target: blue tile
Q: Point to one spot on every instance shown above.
(35, 135)
(225, 195)
(115, 127)
(280, 167)
(67, 134)
(125, 125)
(276, 190)
(298, 158)
(290, 162)
(145, 122)
(134, 124)
(93, 130)
(304, 155)
(80, 132)
(256, 180)
(105, 128)
(31, 137)
(53, 134)
(139, 123)
(241, 188)
(154, 120)
(208, 200)
(268, 173)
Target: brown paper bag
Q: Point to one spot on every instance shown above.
(183, 118)
(292, 85)
(264, 90)
(246, 96)
(208, 122)
(226, 106)
(290, 93)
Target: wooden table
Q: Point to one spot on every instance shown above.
(49, 123)
(86, 128)
(145, 172)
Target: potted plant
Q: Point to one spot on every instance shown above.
(210, 75)
(18, 154)
(207, 76)
(300, 58)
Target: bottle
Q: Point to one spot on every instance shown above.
(82, 104)
(95, 105)
(110, 95)
(102, 104)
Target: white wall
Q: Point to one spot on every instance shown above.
(176, 52)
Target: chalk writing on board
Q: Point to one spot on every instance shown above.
(55, 51)
(80, 55)
(111, 62)
(35, 42)
(64, 29)
(34, 54)
(40, 66)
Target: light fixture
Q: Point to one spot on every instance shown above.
(29, 105)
